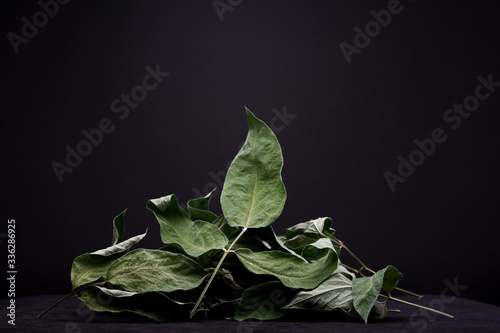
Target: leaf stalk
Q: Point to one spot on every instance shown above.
(417, 305)
(55, 304)
(226, 251)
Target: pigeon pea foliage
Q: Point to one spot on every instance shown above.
(233, 265)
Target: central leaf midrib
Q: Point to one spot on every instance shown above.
(170, 275)
(134, 271)
(253, 201)
(254, 189)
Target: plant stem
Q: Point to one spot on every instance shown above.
(74, 291)
(339, 243)
(193, 312)
(408, 292)
(351, 269)
(363, 266)
(54, 305)
(417, 305)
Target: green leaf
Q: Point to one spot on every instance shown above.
(119, 228)
(152, 304)
(391, 278)
(333, 293)
(263, 302)
(89, 267)
(312, 251)
(313, 229)
(293, 272)
(254, 194)
(341, 269)
(144, 270)
(199, 208)
(366, 289)
(176, 227)
(298, 242)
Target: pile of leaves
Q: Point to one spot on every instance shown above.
(234, 264)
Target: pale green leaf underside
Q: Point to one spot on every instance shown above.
(119, 228)
(333, 293)
(316, 228)
(91, 266)
(176, 227)
(144, 270)
(254, 194)
(120, 247)
(293, 272)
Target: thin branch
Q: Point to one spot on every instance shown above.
(417, 305)
(55, 304)
(226, 251)
(408, 292)
(364, 267)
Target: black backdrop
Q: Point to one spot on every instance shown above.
(345, 105)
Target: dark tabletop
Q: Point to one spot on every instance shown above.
(72, 317)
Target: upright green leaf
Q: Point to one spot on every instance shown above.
(89, 267)
(254, 194)
(176, 227)
(119, 228)
(293, 272)
(199, 209)
(366, 289)
(155, 270)
(153, 305)
(264, 301)
(333, 293)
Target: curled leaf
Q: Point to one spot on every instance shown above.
(153, 305)
(176, 227)
(199, 209)
(89, 267)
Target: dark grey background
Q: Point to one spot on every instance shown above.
(352, 122)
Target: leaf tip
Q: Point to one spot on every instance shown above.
(249, 113)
